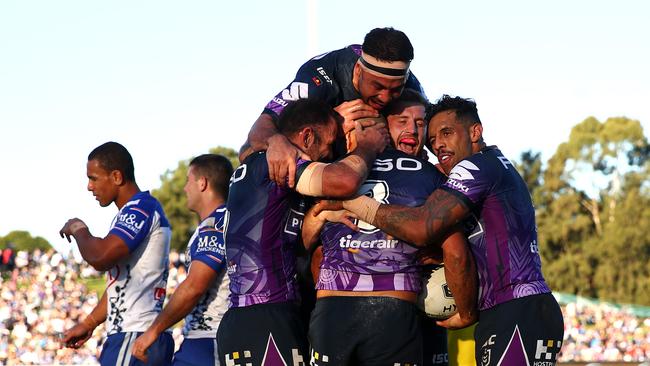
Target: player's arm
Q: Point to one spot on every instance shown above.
(417, 225)
(100, 253)
(258, 137)
(200, 278)
(461, 275)
(344, 177)
(313, 224)
(76, 336)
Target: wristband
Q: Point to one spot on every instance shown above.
(356, 163)
(90, 321)
(364, 207)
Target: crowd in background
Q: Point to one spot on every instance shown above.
(43, 294)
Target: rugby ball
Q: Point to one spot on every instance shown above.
(436, 299)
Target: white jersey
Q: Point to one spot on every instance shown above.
(207, 245)
(136, 285)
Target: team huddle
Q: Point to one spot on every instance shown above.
(316, 249)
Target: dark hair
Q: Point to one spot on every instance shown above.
(388, 44)
(465, 109)
(217, 169)
(408, 96)
(305, 112)
(113, 156)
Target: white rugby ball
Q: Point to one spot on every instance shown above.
(436, 299)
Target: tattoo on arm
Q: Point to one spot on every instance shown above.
(424, 224)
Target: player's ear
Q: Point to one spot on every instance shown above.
(203, 183)
(476, 132)
(117, 177)
(356, 74)
(307, 135)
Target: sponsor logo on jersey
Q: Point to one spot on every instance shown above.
(316, 81)
(211, 244)
(457, 185)
(317, 359)
(294, 222)
(504, 161)
(280, 101)
(128, 221)
(295, 91)
(324, 75)
(355, 245)
(546, 352)
(462, 171)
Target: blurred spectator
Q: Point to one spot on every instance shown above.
(7, 258)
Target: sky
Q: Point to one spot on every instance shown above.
(169, 80)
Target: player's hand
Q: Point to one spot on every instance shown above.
(375, 137)
(331, 205)
(71, 227)
(281, 156)
(456, 322)
(429, 255)
(142, 344)
(354, 110)
(344, 217)
(76, 336)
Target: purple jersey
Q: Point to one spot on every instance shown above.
(368, 260)
(501, 230)
(261, 235)
(326, 77)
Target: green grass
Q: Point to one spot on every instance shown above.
(95, 284)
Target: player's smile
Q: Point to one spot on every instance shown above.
(446, 160)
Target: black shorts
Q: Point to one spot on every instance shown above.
(271, 332)
(434, 342)
(524, 331)
(365, 331)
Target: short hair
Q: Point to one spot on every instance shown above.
(113, 156)
(408, 96)
(305, 112)
(465, 109)
(388, 44)
(217, 169)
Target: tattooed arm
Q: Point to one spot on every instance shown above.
(421, 226)
(425, 224)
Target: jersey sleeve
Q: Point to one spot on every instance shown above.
(211, 248)
(308, 83)
(469, 182)
(414, 84)
(133, 223)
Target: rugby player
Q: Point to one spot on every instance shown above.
(263, 325)
(368, 281)
(135, 255)
(357, 81)
(520, 322)
(203, 295)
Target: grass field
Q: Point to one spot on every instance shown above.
(95, 284)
